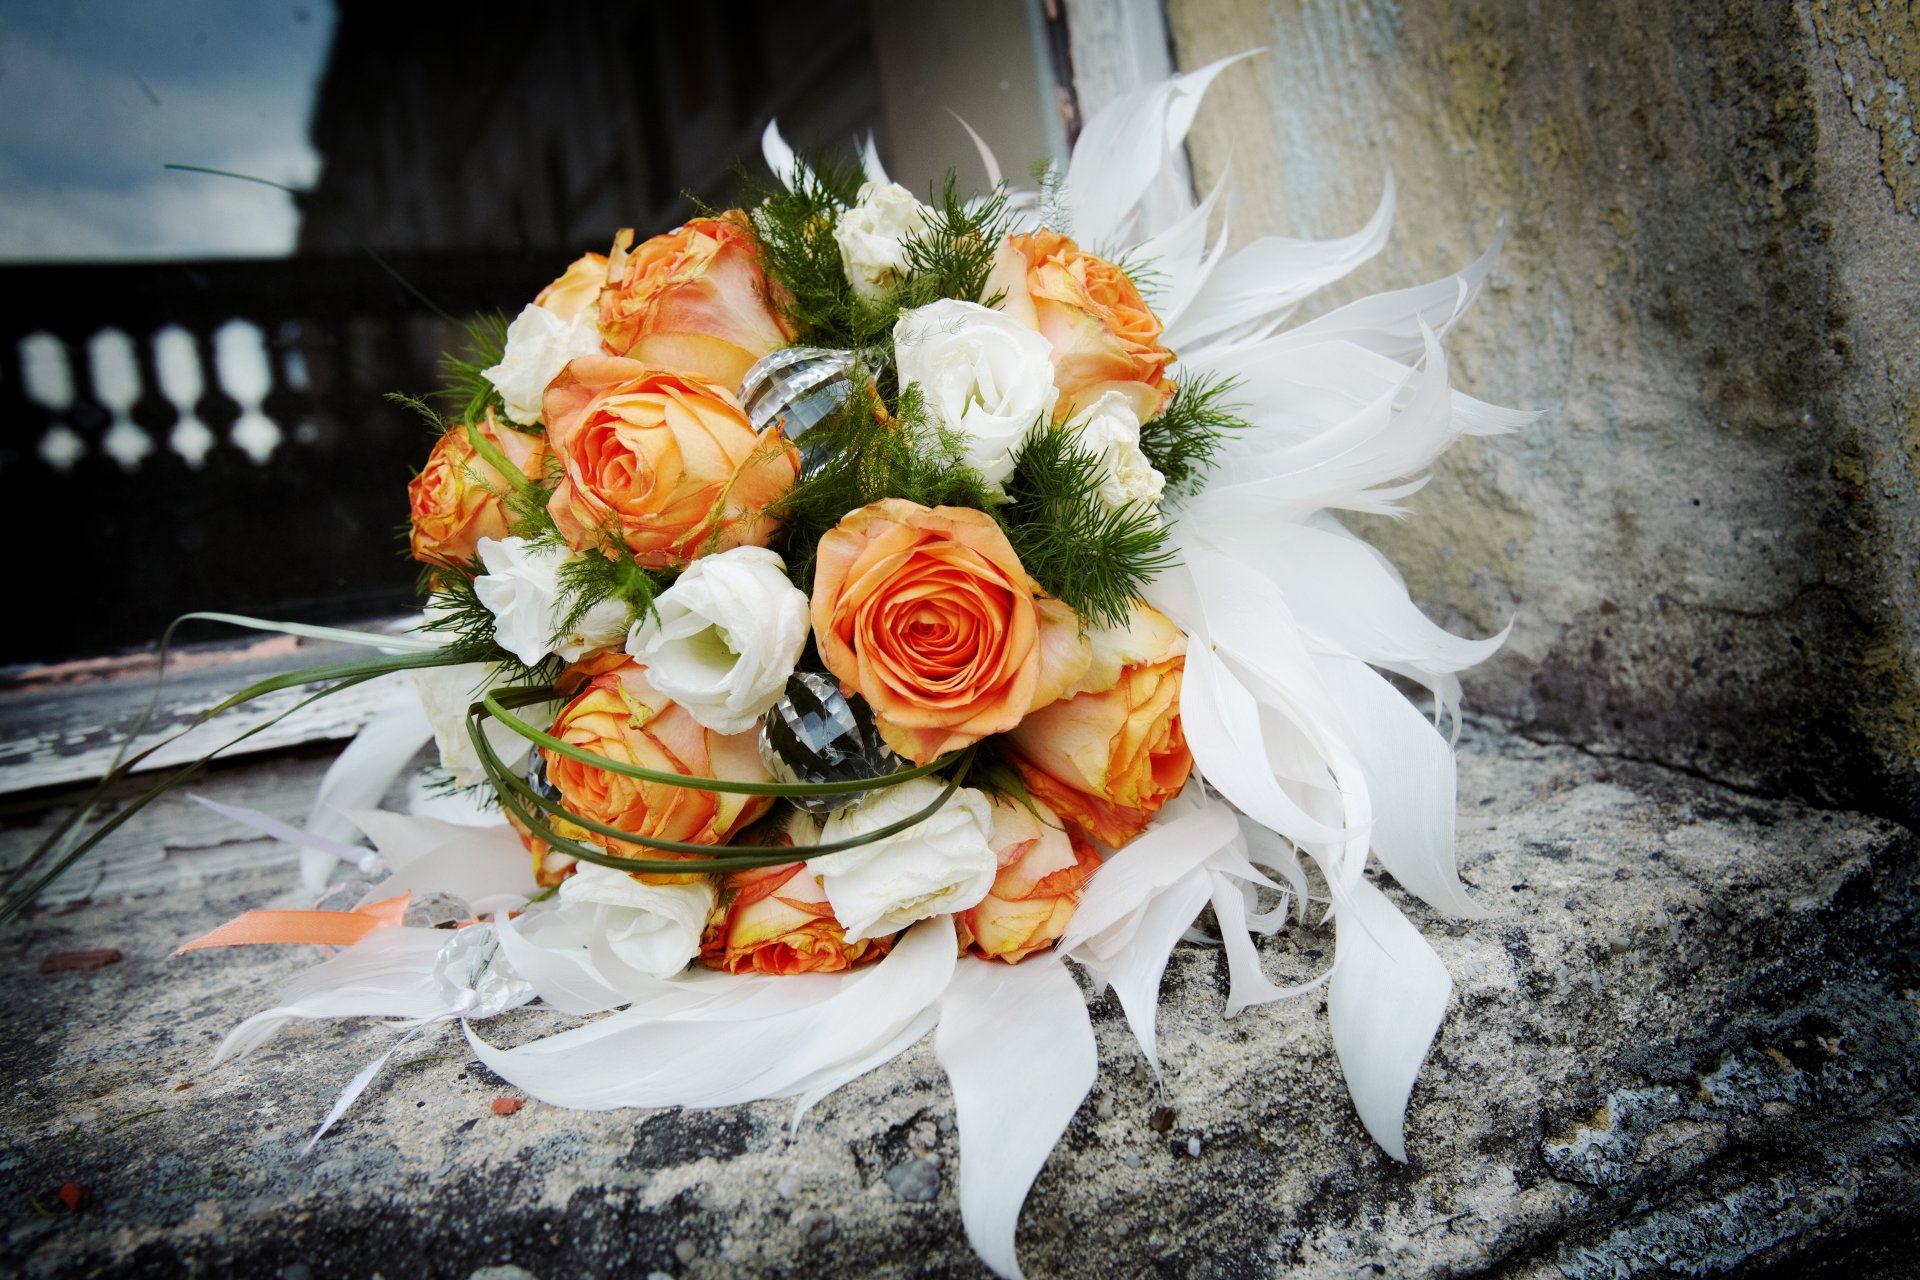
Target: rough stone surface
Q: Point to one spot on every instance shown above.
(1711, 543)
(1683, 1044)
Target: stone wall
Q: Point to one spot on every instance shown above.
(1709, 542)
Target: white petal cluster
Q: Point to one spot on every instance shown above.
(723, 639)
(655, 928)
(873, 236)
(983, 374)
(445, 694)
(539, 345)
(939, 866)
(521, 587)
(1110, 430)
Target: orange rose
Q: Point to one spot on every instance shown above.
(620, 715)
(927, 614)
(1109, 754)
(578, 289)
(777, 920)
(1043, 869)
(456, 499)
(1104, 335)
(693, 300)
(665, 462)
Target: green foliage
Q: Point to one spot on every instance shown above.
(865, 456)
(953, 256)
(609, 574)
(798, 252)
(1182, 441)
(950, 258)
(467, 390)
(456, 616)
(1094, 558)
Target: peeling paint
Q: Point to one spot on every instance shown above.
(1876, 51)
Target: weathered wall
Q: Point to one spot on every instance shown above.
(1714, 209)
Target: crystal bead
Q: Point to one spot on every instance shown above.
(472, 976)
(537, 777)
(817, 734)
(798, 388)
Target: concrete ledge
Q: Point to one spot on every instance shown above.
(1685, 1045)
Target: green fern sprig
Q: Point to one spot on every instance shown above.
(1094, 558)
(1184, 441)
(467, 391)
(863, 455)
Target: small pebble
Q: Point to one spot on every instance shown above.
(1162, 1119)
(787, 1186)
(946, 1124)
(1193, 1146)
(916, 1180)
(75, 1197)
(80, 961)
(1131, 1160)
(686, 1251)
(507, 1106)
(815, 1227)
(1103, 1106)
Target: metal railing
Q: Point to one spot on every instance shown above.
(215, 434)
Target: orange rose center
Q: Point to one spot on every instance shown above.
(939, 632)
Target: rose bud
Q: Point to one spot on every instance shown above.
(1104, 335)
(666, 463)
(693, 300)
(777, 920)
(457, 499)
(1109, 754)
(1043, 870)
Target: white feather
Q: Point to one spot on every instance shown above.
(1387, 998)
(636, 1059)
(1018, 1050)
(1125, 149)
(363, 773)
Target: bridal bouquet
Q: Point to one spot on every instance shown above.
(857, 608)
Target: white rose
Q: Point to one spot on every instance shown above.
(723, 639)
(937, 867)
(655, 928)
(1110, 430)
(521, 588)
(445, 694)
(982, 373)
(539, 344)
(873, 237)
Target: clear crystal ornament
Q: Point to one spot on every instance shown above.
(537, 777)
(815, 733)
(431, 910)
(472, 976)
(798, 388)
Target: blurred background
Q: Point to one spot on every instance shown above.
(193, 368)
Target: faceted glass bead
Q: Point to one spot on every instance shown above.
(537, 776)
(817, 734)
(797, 388)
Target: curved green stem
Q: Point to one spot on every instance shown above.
(514, 793)
(786, 790)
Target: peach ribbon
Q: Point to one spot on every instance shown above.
(327, 928)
